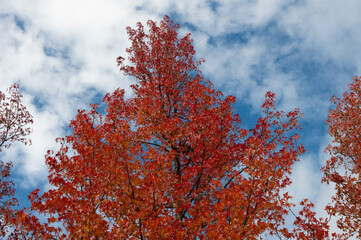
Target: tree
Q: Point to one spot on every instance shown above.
(344, 167)
(14, 121)
(172, 162)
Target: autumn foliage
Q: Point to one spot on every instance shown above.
(172, 161)
(14, 118)
(14, 127)
(344, 167)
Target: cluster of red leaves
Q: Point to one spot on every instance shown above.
(14, 118)
(344, 167)
(14, 121)
(172, 162)
(307, 226)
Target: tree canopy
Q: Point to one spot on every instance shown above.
(173, 161)
(344, 167)
(14, 127)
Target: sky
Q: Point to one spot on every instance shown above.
(63, 54)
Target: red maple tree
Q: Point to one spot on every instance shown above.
(344, 167)
(14, 121)
(171, 162)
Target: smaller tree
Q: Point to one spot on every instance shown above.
(344, 167)
(14, 121)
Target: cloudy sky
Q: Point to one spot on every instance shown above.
(63, 55)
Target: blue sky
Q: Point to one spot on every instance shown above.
(63, 55)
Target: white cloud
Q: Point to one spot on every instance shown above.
(64, 56)
(327, 27)
(218, 17)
